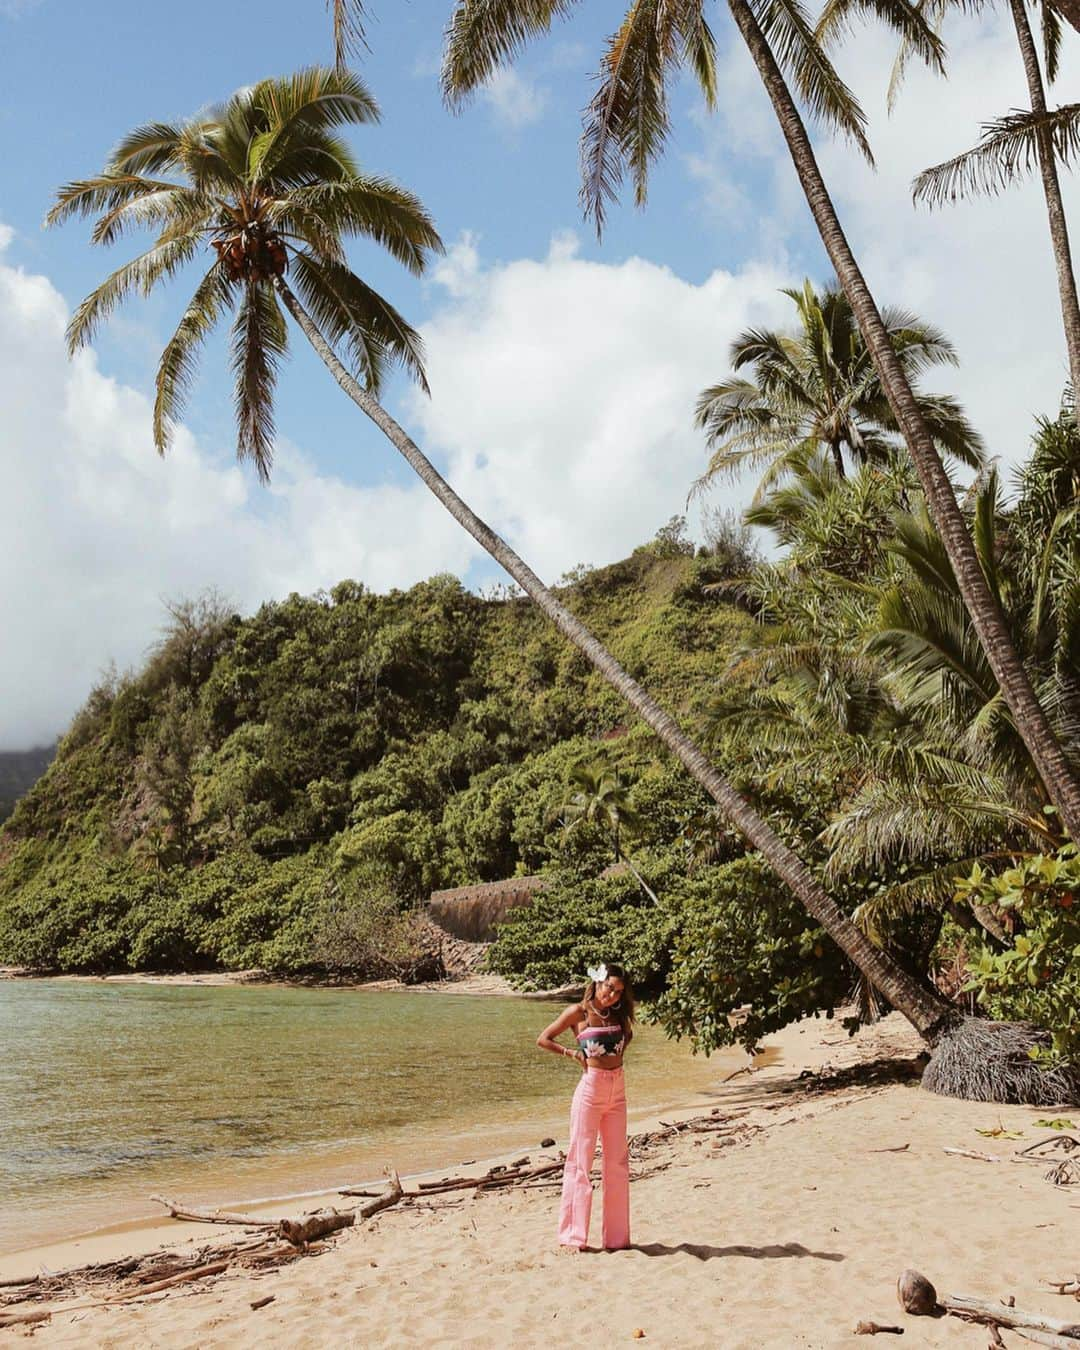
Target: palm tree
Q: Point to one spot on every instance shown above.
(274, 192)
(626, 124)
(869, 676)
(1010, 147)
(596, 795)
(819, 387)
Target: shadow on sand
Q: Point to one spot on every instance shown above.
(706, 1253)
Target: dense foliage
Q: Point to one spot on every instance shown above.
(260, 778)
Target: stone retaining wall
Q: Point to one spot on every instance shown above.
(471, 912)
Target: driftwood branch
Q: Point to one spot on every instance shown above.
(178, 1210)
(973, 1153)
(390, 1196)
(496, 1178)
(917, 1295)
(1046, 1338)
(19, 1319)
(982, 1310)
(43, 1315)
(308, 1227)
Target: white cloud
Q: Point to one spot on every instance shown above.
(97, 530)
(563, 392)
(516, 100)
(982, 270)
(563, 395)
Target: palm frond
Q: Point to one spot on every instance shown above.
(174, 207)
(316, 99)
(149, 149)
(888, 822)
(626, 122)
(701, 55)
(908, 21)
(107, 194)
(347, 310)
(374, 208)
(259, 341)
(1008, 150)
(788, 31)
(141, 273)
(951, 429)
(930, 892)
(348, 18)
(1051, 36)
(485, 34)
(179, 360)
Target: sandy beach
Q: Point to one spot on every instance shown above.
(785, 1227)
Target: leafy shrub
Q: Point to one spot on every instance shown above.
(364, 931)
(1037, 978)
(579, 919)
(744, 939)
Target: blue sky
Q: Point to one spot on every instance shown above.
(563, 370)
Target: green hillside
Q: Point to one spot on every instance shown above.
(224, 804)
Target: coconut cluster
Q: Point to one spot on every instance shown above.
(253, 254)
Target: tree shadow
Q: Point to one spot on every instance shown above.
(703, 1252)
(770, 1092)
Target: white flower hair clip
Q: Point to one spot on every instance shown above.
(596, 973)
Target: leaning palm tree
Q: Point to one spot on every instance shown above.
(1010, 147)
(268, 187)
(626, 125)
(818, 388)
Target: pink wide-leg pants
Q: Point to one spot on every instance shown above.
(599, 1107)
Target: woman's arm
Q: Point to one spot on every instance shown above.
(547, 1038)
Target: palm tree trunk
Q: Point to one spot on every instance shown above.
(838, 459)
(1055, 210)
(986, 616)
(926, 1011)
(642, 882)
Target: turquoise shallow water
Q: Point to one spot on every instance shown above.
(110, 1093)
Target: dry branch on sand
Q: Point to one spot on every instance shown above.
(919, 1297)
(158, 1272)
(190, 1214)
(495, 1178)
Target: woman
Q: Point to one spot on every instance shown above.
(603, 1026)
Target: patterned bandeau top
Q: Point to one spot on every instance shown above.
(597, 1041)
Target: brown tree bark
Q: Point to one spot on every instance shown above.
(926, 1011)
(986, 615)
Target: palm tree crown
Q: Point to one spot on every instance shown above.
(596, 795)
(267, 185)
(818, 389)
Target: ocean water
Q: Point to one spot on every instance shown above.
(111, 1093)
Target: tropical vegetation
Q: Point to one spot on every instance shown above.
(880, 722)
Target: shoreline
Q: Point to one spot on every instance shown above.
(144, 1233)
(474, 985)
(831, 1172)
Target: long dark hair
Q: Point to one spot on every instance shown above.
(623, 1011)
